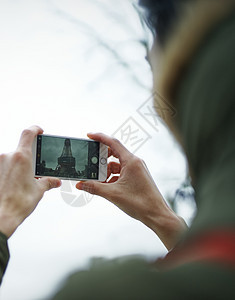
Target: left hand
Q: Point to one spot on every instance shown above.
(133, 190)
(20, 192)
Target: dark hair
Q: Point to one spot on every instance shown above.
(160, 16)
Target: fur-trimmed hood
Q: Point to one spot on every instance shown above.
(197, 79)
(197, 21)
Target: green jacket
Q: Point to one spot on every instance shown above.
(204, 97)
(4, 255)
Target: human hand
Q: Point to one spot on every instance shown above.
(133, 190)
(20, 192)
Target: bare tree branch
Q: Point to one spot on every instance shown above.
(88, 30)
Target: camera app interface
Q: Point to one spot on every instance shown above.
(67, 158)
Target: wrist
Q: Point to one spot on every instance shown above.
(8, 224)
(166, 224)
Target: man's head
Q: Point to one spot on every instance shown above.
(160, 16)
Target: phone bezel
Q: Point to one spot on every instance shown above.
(103, 157)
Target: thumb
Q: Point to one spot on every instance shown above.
(48, 183)
(95, 188)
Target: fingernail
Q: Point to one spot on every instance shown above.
(59, 183)
(79, 185)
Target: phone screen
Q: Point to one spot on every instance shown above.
(67, 158)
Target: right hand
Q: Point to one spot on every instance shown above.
(133, 190)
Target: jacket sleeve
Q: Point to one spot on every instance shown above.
(134, 278)
(4, 255)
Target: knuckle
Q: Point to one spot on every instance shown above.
(138, 162)
(116, 141)
(90, 188)
(3, 156)
(49, 184)
(27, 132)
(19, 157)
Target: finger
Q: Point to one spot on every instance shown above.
(96, 188)
(113, 179)
(27, 137)
(48, 183)
(113, 168)
(110, 153)
(118, 149)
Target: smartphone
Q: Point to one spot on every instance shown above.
(69, 158)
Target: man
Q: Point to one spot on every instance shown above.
(193, 65)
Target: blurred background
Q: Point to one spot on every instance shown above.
(72, 67)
